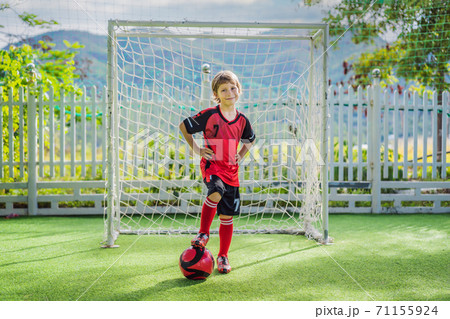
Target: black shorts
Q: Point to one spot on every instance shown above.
(230, 204)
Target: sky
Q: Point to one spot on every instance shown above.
(92, 15)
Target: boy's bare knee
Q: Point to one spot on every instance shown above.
(225, 216)
(215, 197)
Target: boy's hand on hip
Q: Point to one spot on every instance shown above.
(206, 152)
(238, 158)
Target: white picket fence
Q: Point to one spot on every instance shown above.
(65, 148)
(393, 165)
(404, 171)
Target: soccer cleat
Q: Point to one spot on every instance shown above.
(200, 240)
(223, 265)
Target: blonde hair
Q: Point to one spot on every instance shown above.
(221, 78)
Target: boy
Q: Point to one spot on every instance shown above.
(223, 127)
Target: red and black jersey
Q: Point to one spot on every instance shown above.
(223, 137)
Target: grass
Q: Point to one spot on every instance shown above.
(374, 257)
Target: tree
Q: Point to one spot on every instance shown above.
(420, 53)
(35, 66)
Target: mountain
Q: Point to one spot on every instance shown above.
(94, 55)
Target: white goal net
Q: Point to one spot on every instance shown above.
(160, 73)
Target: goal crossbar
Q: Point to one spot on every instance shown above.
(217, 36)
(237, 25)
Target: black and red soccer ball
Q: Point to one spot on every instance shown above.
(196, 263)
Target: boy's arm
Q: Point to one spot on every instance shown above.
(244, 149)
(202, 151)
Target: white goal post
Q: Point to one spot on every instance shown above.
(159, 73)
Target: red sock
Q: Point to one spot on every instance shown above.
(208, 212)
(225, 235)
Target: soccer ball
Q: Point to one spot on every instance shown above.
(196, 263)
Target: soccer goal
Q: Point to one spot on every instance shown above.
(159, 73)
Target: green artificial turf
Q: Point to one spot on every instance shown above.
(374, 257)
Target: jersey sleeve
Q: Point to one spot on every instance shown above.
(197, 123)
(248, 136)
